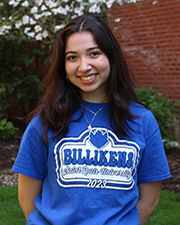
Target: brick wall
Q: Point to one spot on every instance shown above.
(150, 38)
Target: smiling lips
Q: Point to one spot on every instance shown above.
(88, 79)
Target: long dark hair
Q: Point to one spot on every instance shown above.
(61, 99)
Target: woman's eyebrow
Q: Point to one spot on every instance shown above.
(70, 52)
(92, 48)
(74, 52)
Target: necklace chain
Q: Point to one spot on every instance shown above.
(95, 114)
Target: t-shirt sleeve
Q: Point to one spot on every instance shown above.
(154, 165)
(32, 156)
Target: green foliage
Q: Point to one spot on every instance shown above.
(7, 129)
(11, 212)
(40, 20)
(167, 211)
(21, 66)
(163, 109)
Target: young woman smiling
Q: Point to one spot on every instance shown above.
(87, 67)
(91, 153)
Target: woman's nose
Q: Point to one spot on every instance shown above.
(84, 65)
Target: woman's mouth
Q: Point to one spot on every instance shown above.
(88, 79)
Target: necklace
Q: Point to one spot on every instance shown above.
(95, 114)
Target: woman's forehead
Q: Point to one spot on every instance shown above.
(81, 40)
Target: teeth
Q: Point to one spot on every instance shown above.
(88, 77)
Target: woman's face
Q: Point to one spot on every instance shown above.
(87, 67)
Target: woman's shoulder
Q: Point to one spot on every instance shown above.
(36, 122)
(142, 113)
(144, 117)
(35, 125)
(139, 109)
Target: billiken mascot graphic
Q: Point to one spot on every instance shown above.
(96, 159)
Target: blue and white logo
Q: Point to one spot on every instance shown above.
(96, 159)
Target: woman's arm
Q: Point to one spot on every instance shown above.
(148, 199)
(28, 190)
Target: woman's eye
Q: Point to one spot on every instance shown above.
(72, 57)
(95, 54)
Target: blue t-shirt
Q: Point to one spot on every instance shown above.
(90, 176)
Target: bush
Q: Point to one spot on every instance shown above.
(20, 74)
(7, 129)
(163, 109)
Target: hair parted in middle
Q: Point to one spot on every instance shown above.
(61, 98)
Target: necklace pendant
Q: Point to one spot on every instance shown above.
(95, 114)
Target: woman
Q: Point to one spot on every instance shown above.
(91, 153)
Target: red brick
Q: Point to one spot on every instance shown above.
(150, 38)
